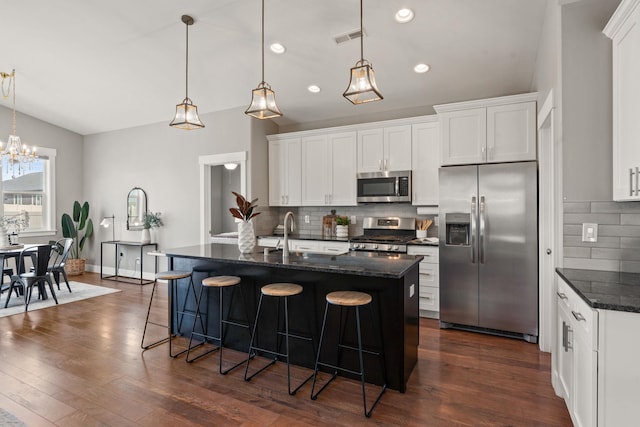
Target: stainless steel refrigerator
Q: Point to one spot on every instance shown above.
(488, 235)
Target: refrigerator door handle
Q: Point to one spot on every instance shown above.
(473, 230)
(481, 238)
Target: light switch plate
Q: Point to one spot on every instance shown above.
(589, 232)
(306, 219)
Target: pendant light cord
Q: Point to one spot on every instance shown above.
(262, 41)
(186, 73)
(13, 78)
(361, 36)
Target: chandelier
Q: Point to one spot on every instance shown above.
(18, 155)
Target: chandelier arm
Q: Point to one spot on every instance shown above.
(13, 77)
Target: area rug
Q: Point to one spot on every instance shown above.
(8, 419)
(79, 291)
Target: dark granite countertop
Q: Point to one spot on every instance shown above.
(605, 290)
(360, 263)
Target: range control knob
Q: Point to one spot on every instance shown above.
(356, 245)
(375, 246)
(395, 247)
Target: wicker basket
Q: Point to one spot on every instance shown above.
(74, 266)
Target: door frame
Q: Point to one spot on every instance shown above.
(550, 220)
(206, 163)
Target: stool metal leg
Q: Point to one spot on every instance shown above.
(174, 292)
(147, 322)
(203, 334)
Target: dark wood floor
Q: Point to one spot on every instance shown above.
(81, 365)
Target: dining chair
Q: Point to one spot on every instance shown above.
(59, 255)
(39, 276)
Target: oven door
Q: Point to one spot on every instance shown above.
(384, 187)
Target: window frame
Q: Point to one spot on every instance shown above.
(48, 198)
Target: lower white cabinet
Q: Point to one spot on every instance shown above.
(596, 362)
(302, 245)
(429, 303)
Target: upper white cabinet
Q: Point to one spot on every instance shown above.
(425, 159)
(384, 149)
(488, 131)
(285, 172)
(329, 165)
(624, 30)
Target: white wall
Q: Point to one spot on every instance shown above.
(164, 162)
(586, 100)
(69, 159)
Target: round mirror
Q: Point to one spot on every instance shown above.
(136, 208)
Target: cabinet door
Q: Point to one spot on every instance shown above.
(316, 169)
(293, 172)
(464, 136)
(277, 173)
(585, 365)
(564, 352)
(626, 105)
(425, 159)
(511, 132)
(370, 150)
(342, 186)
(397, 148)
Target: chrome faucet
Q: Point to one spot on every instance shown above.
(285, 248)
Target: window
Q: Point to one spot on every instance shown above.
(32, 191)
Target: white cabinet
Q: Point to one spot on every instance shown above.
(425, 159)
(429, 303)
(384, 149)
(624, 30)
(285, 172)
(329, 169)
(488, 131)
(302, 245)
(596, 362)
(577, 356)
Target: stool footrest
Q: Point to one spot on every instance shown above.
(350, 347)
(340, 368)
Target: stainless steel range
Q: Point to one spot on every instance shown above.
(388, 234)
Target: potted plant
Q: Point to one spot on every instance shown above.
(72, 226)
(150, 220)
(245, 213)
(342, 226)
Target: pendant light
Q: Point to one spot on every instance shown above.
(263, 99)
(187, 113)
(362, 87)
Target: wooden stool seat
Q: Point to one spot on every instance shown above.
(221, 281)
(348, 298)
(281, 289)
(173, 275)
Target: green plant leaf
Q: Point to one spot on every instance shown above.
(68, 227)
(76, 211)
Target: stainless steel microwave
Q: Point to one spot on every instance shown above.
(384, 187)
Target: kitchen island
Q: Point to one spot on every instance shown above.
(391, 279)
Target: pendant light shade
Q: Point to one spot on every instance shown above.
(186, 112)
(362, 86)
(263, 99)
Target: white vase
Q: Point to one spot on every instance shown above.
(246, 237)
(342, 231)
(146, 236)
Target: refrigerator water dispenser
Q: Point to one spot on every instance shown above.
(458, 229)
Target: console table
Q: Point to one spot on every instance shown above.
(118, 244)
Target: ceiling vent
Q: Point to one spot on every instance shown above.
(351, 35)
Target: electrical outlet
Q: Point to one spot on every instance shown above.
(137, 260)
(353, 219)
(589, 232)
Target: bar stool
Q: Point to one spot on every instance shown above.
(220, 282)
(281, 291)
(349, 299)
(171, 276)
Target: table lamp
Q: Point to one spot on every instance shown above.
(105, 223)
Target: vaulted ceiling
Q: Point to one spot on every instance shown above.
(94, 66)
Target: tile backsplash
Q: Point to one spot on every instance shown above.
(618, 245)
(274, 216)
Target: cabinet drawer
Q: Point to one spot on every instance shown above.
(430, 253)
(429, 274)
(564, 293)
(335, 248)
(429, 298)
(586, 320)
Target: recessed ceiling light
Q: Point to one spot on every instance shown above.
(404, 15)
(277, 48)
(421, 68)
(313, 89)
